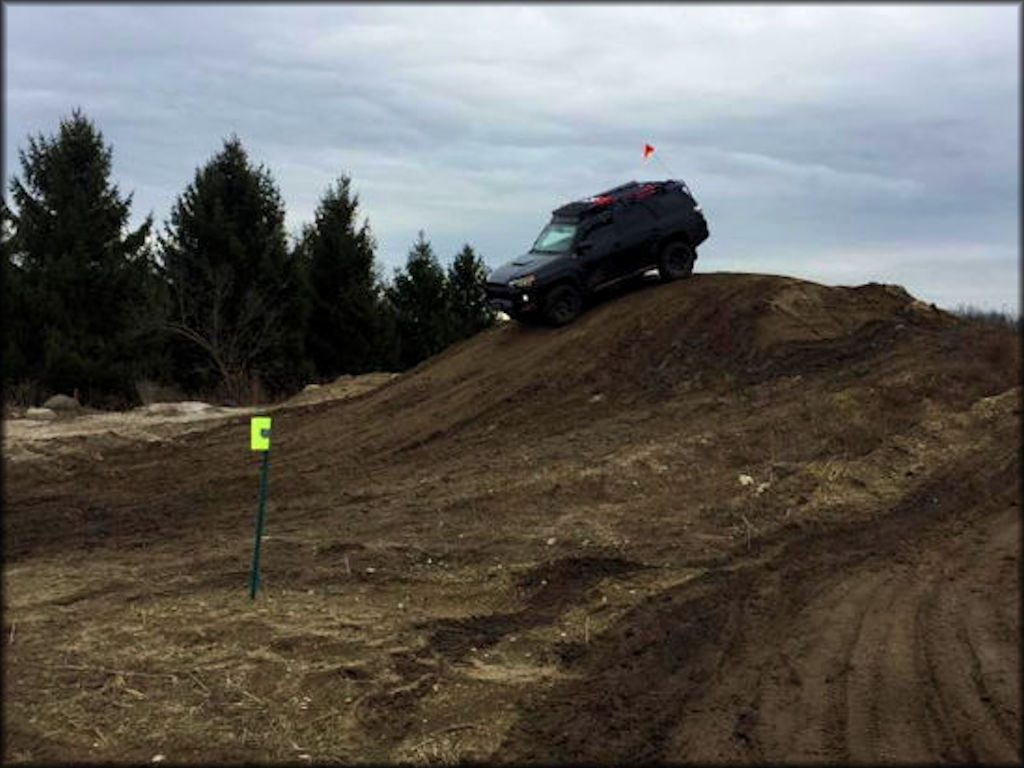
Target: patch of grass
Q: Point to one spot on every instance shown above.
(981, 359)
(1003, 318)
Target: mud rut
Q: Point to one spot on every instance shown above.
(868, 644)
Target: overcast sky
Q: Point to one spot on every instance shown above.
(838, 143)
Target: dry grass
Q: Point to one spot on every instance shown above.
(1000, 319)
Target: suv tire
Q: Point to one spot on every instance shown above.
(676, 261)
(562, 305)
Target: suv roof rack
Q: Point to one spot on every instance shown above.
(631, 190)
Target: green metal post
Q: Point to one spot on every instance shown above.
(254, 574)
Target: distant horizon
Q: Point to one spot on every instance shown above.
(837, 144)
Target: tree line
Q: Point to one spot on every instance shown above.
(220, 302)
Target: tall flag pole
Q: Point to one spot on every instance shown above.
(649, 152)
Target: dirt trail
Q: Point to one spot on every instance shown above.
(866, 644)
(739, 518)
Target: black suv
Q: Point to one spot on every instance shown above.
(599, 242)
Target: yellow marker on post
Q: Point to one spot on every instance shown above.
(260, 437)
(259, 440)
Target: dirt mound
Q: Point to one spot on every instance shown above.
(342, 387)
(717, 333)
(735, 518)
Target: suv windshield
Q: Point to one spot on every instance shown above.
(556, 237)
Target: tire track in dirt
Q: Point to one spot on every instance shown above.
(891, 650)
(857, 602)
(553, 588)
(888, 641)
(961, 693)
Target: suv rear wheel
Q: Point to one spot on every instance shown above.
(676, 261)
(562, 305)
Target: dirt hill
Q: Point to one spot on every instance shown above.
(740, 517)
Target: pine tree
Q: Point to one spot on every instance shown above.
(420, 303)
(470, 312)
(344, 323)
(235, 288)
(389, 340)
(78, 271)
(18, 341)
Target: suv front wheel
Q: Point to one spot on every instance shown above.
(562, 305)
(676, 261)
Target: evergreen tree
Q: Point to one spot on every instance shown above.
(470, 312)
(235, 288)
(419, 298)
(78, 274)
(18, 335)
(344, 322)
(389, 341)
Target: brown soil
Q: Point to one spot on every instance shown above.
(738, 518)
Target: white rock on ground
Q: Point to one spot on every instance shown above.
(173, 409)
(40, 414)
(193, 406)
(62, 403)
(161, 409)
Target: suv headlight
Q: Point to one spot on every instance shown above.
(523, 282)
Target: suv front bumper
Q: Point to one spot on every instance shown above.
(510, 300)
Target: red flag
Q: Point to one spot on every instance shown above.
(648, 151)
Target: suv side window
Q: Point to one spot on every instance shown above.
(598, 232)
